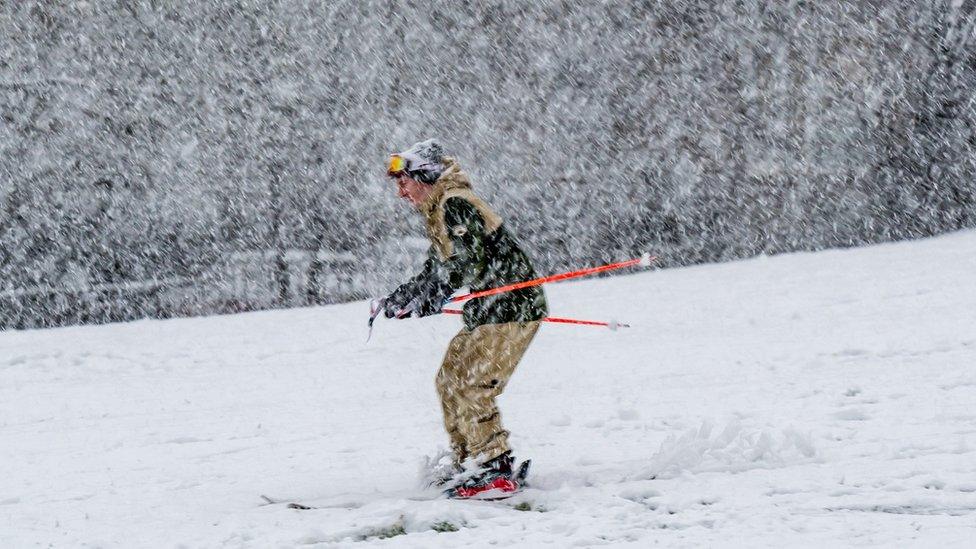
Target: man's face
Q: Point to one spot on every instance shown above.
(411, 190)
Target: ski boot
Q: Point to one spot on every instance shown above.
(494, 480)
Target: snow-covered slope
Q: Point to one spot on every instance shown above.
(810, 399)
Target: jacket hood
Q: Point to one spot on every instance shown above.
(452, 178)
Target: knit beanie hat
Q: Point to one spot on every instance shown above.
(423, 161)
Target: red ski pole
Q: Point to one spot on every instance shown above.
(644, 261)
(613, 324)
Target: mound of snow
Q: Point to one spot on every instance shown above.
(733, 450)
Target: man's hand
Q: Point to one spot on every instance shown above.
(415, 309)
(393, 309)
(428, 307)
(425, 300)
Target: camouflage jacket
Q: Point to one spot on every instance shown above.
(471, 247)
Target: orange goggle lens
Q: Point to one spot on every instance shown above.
(397, 165)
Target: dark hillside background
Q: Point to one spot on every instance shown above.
(219, 157)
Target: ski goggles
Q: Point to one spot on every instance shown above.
(397, 166)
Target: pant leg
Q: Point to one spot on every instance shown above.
(489, 356)
(449, 380)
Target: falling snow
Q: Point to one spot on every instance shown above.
(191, 159)
(160, 159)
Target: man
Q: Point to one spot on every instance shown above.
(469, 247)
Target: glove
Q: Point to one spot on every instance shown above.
(427, 300)
(416, 308)
(394, 309)
(428, 307)
(389, 308)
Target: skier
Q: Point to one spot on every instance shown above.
(471, 247)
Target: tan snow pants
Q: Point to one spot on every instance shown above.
(475, 370)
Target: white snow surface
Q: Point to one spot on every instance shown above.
(812, 399)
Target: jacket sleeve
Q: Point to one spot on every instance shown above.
(424, 293)
(466, 228)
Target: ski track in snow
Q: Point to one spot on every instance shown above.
(816, 399)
